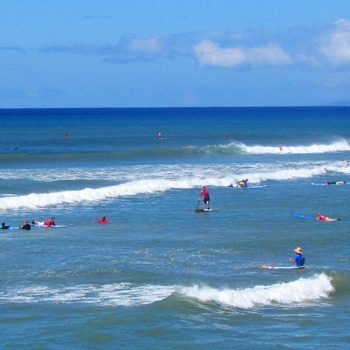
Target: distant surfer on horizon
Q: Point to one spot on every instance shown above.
(160, 136)
(325, 218)
(205, 194)
(281, 147)
(299, 259)
(66, 136)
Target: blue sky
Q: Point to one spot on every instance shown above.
(153, 53)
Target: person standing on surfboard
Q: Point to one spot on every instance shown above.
(205, 194)
(281, 147)
(299, 259)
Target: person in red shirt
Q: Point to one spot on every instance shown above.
(47, 223)
(325, 218)
(103, 220)
(205, 194)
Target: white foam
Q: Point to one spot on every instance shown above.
(296, 292)
(126, 294)
(341, 145)
(161, 178)
(118, 294)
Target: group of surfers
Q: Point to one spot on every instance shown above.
(49, 223)
(299, 259)
(26, 225)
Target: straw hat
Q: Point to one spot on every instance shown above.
(298, 250)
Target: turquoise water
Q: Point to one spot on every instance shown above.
(161, 275)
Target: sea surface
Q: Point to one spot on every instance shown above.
(161, 275)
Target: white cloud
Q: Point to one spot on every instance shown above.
(336, 45)
(209, 53)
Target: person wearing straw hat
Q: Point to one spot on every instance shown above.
(299, 259)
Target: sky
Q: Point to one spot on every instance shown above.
(174, 53)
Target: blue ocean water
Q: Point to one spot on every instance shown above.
(161, 275)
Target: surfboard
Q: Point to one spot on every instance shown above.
(303, 216)
(283, 267)
(252, 186)
(315, 184)
(203, 210)
(56, 226)
(10, 228)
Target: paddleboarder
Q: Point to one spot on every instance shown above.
(205, 194)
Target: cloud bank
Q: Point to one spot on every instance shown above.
(325, 46)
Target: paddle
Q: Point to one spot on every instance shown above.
(198, 205)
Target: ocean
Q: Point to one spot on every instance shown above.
(161, 275)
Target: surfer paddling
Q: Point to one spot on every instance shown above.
(243, 183)
(335, 182)
(205, 194)
(325, 218)
(299, 259)
(47, 223)
(103, 220)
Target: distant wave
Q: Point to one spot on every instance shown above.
(126, 294)
(156, 179)
(296, 292)
(230, 149)
(341, 145)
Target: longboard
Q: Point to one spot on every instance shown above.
(283, 267)
(203, 210)
(252, 186)
(316, 184)
(55, 226)
(303, 216)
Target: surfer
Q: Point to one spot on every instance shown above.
(346, 162)
(243, 183)
(281, 147)
(230, 185)
(66, 136)
(4, 227)
(103, 220)
(299, 259)
(25, 226)
(325, 218)
(335, 182)
(48, 223)
(205, 194)
(159, 135)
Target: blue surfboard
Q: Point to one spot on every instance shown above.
(303, 216)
